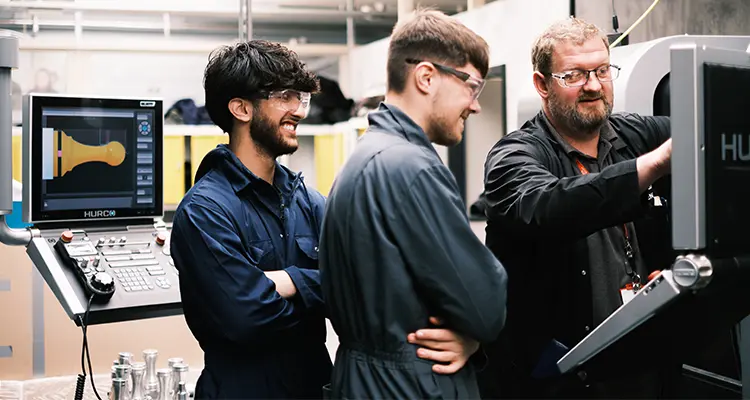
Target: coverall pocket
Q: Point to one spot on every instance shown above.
(308, 247)
(261, 254)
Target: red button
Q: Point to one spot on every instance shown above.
(653, 275)
(66, 236)
(161, 239)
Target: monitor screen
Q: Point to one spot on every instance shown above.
(92, 158)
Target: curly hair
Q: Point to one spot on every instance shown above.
(246, 69)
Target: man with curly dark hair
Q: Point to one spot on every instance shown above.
(245, 237)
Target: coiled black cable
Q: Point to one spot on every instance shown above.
(80, 385)
(85, 356)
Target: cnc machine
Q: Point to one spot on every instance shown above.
(92, 192)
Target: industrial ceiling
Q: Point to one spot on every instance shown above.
(295, 21)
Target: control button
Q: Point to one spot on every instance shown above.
(102, 281)
(171, 261)
(134, 263)
(163, 283)
(97, 259)
(161, 238)
(653, 275)
(86, 239)
(100, 241)
(100, 269)
(66, 237)
(583, 272)
(117, 258)
(112, 241)
(108, 253)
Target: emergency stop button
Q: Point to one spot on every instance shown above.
(66, 236)
(161, 238)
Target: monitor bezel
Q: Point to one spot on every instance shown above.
(689, 202)
(32, 113)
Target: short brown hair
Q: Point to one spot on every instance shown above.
(571, 29)
(430, 35)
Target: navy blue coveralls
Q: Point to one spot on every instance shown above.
(229, 228)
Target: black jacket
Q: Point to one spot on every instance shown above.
(397, 248)
(230, 227)
(540, 210)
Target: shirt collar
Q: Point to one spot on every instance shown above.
(392, 119)
(241, 178)
(607, 133)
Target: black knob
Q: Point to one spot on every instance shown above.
(102, 281)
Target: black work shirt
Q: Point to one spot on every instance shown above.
(608, 264)
(558, 233)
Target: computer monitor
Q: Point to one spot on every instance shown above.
(91, 159)
(711, 149)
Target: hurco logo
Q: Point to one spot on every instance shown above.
(99, 214)
(735, 147)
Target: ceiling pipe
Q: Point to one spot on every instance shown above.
(230, 14)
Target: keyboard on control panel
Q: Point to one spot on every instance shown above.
(136, 269)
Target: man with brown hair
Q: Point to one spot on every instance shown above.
(397, 252)
(567, 216)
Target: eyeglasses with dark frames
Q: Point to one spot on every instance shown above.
(475, 84)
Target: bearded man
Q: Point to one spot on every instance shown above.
(564, 203)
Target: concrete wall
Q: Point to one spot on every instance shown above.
(670, 17)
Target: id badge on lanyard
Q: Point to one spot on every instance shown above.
(629, 291)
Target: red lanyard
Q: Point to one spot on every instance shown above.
(628, 247)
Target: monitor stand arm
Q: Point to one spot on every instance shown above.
(8, 61)
(14, 237)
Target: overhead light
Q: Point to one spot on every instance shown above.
(365, 8)
(379, 6)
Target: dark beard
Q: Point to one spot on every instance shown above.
(573, 119)
(439, 130)
(267, 136)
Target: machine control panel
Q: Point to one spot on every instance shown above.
(93, 169)
(134, 264)
(129, 272)
(84, 259)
